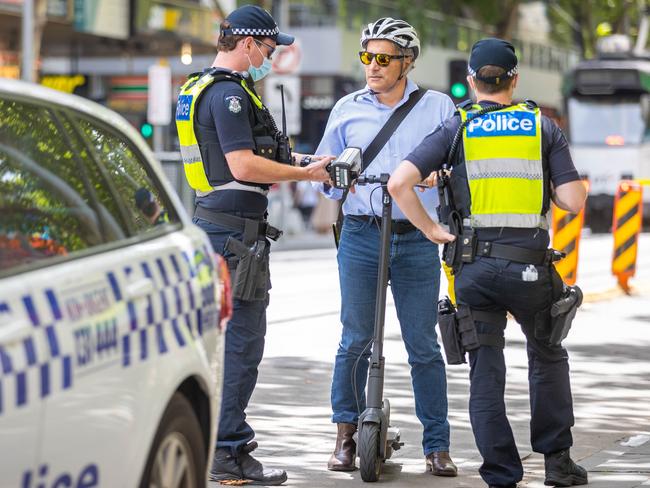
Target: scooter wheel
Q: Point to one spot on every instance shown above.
(368, 448)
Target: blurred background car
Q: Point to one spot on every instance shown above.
(112, 304)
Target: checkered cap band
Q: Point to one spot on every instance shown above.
(244, 31)
(509, 73)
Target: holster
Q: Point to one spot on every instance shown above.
(252, 265)
(458, 330)
(563, 311)
(553, 323)
(450, 336)
(460, 251)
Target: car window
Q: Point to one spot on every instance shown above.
(141, 197)
(46, 209)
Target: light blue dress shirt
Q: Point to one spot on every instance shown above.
(355, 121)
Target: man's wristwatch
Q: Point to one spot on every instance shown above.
(305, 160)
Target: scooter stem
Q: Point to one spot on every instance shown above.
(376, 371)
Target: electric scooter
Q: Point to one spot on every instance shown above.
(377, 439)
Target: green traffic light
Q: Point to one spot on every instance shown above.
(146, 130)
(458, 90)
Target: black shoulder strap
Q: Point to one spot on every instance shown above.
(377, 144)
(459, 132)
(389, 128)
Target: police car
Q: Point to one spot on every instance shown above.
(112, 305)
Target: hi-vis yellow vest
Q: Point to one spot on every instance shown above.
(188, 98)
(505, 172)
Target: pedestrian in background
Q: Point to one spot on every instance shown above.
(232, 153)
(305, 199)
(511, 163)
(389, 50)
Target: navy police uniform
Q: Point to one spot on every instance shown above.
(223, 124)
(219, 112)
(498, 285)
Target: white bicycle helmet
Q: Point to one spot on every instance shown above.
(395, 30)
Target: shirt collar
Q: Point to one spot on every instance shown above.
(490, 102)
(370, 97)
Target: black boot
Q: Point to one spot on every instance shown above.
(562, 471)
(245, 467)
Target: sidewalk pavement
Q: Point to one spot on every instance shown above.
(609, 347)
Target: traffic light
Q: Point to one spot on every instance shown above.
(146, 129)
(458, 87)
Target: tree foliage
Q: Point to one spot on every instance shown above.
(497, 17)
(574, 22)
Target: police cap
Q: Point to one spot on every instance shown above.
(143, 197)
(252, 20)
(494, 52)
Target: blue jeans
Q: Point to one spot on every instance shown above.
(243, 354)
(415, 281)
(496, 285)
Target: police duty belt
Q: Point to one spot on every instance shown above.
(251, 228)
(542, 257)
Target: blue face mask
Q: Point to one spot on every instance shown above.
(258, 73)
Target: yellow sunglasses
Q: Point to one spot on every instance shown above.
(381, 58)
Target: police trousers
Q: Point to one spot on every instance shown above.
(243, 353)
(497, 285)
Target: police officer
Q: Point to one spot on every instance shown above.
(150, 208)
(232, 152)
(390, 48)
(511, 163)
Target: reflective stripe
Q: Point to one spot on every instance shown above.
(191, 154)
(234, 185)
(503, 159)
(527, 221)
(505, 168)
(189, 146)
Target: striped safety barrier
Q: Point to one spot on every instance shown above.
(567, 228)
(626, 226)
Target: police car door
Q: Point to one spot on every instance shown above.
(131, 315)
(21, 408)
(54, 287)
(99, 290)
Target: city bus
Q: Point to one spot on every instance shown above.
(607, 104)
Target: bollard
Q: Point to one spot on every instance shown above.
(567, 228)
(626, 226)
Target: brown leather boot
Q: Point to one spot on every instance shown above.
(440, 464)
(345, 452)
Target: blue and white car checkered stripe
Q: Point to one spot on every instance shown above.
(34, 366)
(180, 310)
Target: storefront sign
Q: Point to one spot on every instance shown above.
(183, 18)
(55, 8)
(9, 66)
(10, 72)
(107, 18)
(67, 84)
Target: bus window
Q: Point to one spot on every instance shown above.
(606, 121)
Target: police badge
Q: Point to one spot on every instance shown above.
(234, 104)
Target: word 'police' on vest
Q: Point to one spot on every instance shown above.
(503, 124)
(183, 107)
